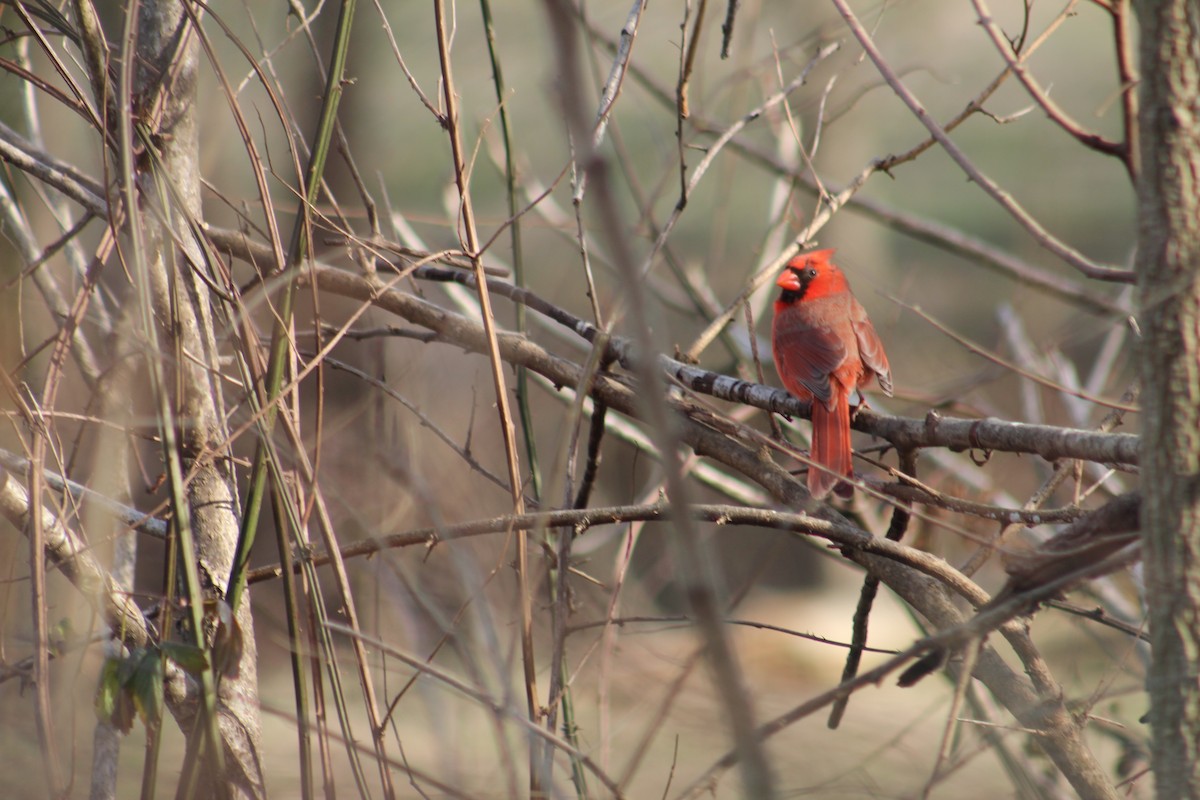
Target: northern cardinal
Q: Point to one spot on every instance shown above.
(825, 349)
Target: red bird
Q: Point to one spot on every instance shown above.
(825, 349)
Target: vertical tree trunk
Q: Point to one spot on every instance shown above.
(1168, 266)
(167, 50)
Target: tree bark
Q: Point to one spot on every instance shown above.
(1168, 267)
(167, 50)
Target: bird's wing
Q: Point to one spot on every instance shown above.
(808, 354)
(870, 350)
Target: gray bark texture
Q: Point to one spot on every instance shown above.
(1168, 267)
(167, 66)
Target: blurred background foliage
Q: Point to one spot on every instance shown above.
(383, 471)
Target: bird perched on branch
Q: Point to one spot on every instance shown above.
(825, 349)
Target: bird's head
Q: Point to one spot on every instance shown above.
(811, 275)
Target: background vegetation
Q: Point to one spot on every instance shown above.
(243, 315)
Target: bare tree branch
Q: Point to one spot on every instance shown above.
(1003, 198)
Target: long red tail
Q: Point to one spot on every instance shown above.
(831, 447)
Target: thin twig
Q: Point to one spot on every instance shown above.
(714, 149)
(496, 706)
(507, 431)
(1016, 63)
(839, 533)
(866, 599)
(1003, 198)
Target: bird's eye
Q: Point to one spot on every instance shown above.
(810, 273)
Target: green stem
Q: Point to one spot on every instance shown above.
(280, 341)
(510, 175)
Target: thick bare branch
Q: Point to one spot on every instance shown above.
(75, 559)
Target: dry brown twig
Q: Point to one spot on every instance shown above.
(721, 444)
(1069, 255)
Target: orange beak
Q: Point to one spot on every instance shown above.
(788, 280)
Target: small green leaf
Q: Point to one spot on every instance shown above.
(127, 667)
(190, 658)
(108, 690)
(59, 635)
(113, 703)
(147, 688)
